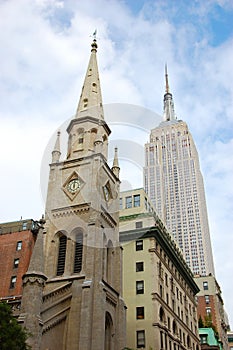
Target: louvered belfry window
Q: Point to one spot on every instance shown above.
(78, 256)
(61, 255)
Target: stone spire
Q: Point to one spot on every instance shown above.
(115, 166)
(56, 153)
(33, 285)
(90, 102)
(168, 104)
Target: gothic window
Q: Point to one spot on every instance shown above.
(78, 255)
(108, 332)
(61, 255)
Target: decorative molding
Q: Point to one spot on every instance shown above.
(71, 210)
(107, 217)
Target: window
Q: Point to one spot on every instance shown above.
(141, 339)
(139, 266)
(139, 287)
(140, 312)
(61, 255)
(16, 263)
(136, 200)
(139, 245)
(128, 202)
(138, 224)
(207, 299)
(121, 204)
(13, 281)
(208, 311)
(19, 245)
(78, 256)
(205, 285)
(203, 338)
(24, 226)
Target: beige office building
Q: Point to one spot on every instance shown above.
(158, 286)
(173, 181)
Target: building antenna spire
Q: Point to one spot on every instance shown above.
(166, 80)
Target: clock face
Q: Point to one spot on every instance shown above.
(73, 185)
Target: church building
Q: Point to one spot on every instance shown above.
(72, 291)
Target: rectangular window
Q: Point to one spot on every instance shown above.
(128, 202)
(16, 263)
(205, 285)
(24, 226)
(207, 299)
(19, 245)
(141, 343)
(139, 245)
(136, 200)
(208, 311)
(138, 224)
(121, 204)
(139, 266)
(203, 338)
(139, 287)
(140, 312)
(13, 281)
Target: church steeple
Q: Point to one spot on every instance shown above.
(168, 104)
(91, 98)
(88, 128)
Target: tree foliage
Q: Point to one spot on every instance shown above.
(12, 335)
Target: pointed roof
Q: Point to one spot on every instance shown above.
(90, 102)
(168, 104)
(56, 153)
(115, 166)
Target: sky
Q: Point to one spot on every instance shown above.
(45, 48)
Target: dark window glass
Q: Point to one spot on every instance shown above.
(128, 202)
(139, 287)
(13, 282)
(61, 255)
(141, 339)
(16, 263)
(19, 245)
(78, 256)
(136, 200)
(139, 266)
(139, 245)
(140, 312)
(138, 224)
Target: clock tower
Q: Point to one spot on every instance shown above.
(82, 306)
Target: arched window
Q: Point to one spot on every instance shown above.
(108, 332)
(78, 255)
(61, 255)
(161, 315)
(110, 258)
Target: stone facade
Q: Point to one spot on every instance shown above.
(79, 286)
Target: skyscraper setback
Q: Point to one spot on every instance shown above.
(173, 180)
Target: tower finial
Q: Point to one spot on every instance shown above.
(115, 166)
(94, 43)
(166, 80)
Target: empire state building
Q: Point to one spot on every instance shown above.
(173, 180)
